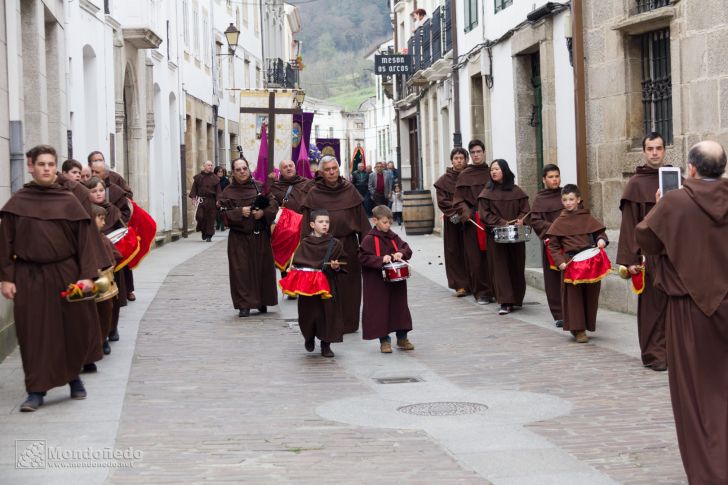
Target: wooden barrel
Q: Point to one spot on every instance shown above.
(418, 212)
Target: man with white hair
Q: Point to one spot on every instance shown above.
(204, 193)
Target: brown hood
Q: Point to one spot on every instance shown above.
(447, 181)
(711, 196)
(478, 175)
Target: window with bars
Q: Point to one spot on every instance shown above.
(647, 5)
(186, 23)
(470, 10)
(501, 4)
(657, 83)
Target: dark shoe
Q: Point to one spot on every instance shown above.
(559, 323)
(114, 335)
(326, 350)
(658, 366)
(263, 309)
(209, 239)
(106, 347)
(77, 389)
(131, 296)
(89, 368)
(244, 312)
(505, 310)
(310, 344)
(32, 403)
(292, 297)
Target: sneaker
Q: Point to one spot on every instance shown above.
(77, 389)
(326, 350)
(310, 344)
(405, 344)
(244, 312)
(114, 335)
(385, 348)
(559, 323)
(106, 347)
(32, 403)
(581, 337)
(483, 301)
(89, 368)
(504, 310)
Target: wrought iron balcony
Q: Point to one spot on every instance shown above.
(280, 74)
(647, 5)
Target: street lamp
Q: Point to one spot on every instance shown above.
(232, 34)
(299, 97)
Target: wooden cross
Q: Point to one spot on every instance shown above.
(272, 111)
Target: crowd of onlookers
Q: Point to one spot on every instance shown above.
(379, 185)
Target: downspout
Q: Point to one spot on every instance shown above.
(580, 99)
(15, 72)
(215, 93)
(457, 137)
(396, 111)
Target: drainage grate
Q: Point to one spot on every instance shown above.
(397, 380)
(447, 408)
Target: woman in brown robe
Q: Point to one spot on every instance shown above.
(250, 257)
(546, 208)
(452, 228)
(688, 230)
(572, 232)
(349, 224)
(501, 203)
(470, 183)
(204, 185)
(46, 243)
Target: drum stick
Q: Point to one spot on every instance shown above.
(476, 225)
(523, 218)
(340, 264)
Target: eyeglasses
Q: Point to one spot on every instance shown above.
(241, 169)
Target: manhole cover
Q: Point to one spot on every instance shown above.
(443, 408)
(397, 380)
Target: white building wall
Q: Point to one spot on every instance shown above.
(565, 109)
(503, 107)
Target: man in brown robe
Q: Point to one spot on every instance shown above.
(349, 224)
(250, 257)
(290, 189)
(637, 201)
(46, 244)
(113, 177)
(688, 229)
(452, 229)
(204, 193)
(546, 208)
(572, 232)
(470, 183)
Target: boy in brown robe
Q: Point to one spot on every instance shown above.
(637, 201)
(318, 317)
(502, 203)
(452, 229)
(349, 224)
(546, 208)
(46, 244)
(105, 307)
(572, 232)
(688, 229)
(204, 193)
(385, 303)
(250, 257)
(470, 183)
(290, 187)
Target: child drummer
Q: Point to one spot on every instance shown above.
(572, 232)
(312, 278)
(385, 307)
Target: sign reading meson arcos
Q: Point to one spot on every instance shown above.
(386, 65)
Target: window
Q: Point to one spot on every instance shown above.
(218, 51)
(657, 83)
(501, 4)
(205, 39)
(231, 71)
(246, 74)
(316, 132)
(196, 33)
(331, 132)
(471, 14)
(647, 5)
(186, 23)
(258, 77)
(245, 14)
(256, 21)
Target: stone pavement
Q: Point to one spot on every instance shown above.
(212, 397)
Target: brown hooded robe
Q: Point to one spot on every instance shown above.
(572, 232)
(470, 183)
(250, 257)
(349, 224)
(318, 317)
(452, 234)
(300, 187)
(205, 185)
(507, 262)
(46, 243)
(637, 201)
(385, 303)
(688, 229)
(546, 208)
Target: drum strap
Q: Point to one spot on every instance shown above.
(377, 248)
(288, 192)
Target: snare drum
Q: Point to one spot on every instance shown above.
(511, 234)
(588, 266)
(395, 271)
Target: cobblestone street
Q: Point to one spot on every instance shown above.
(216, 398)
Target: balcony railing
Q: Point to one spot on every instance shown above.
(647, 5)
(280, 74)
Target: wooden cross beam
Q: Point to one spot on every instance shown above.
(272, 111)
